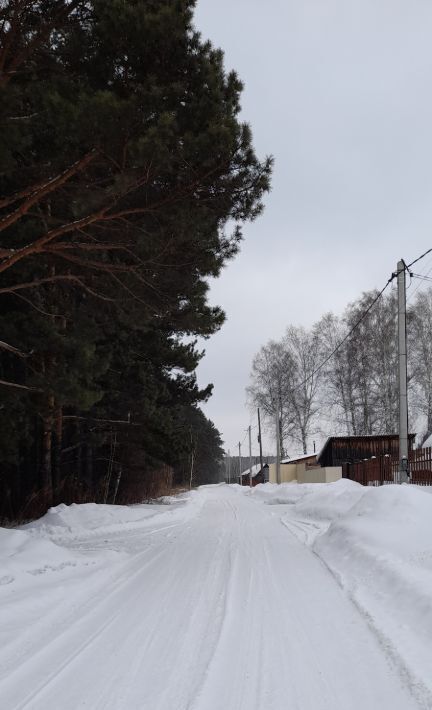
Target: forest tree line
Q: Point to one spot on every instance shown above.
(125, 177)
(356, 391)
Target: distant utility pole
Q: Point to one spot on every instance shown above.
(229, 466)
(259, 439)
(250, 456)
(277, 445)
(402, 352)
(240, 465)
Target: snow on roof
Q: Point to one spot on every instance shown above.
(291, 459)
(255, 470)
(428, 442)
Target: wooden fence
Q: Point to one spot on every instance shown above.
(381, 470)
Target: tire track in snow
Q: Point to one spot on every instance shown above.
(228, 613)
(200, 644)
(117, 691)
(231, 679)
(51, 622)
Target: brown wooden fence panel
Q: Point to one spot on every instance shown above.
(421, 467)
(381, 470)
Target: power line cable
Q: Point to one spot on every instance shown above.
(253, 427)
(418, 258)
(420, 277)
(348, 335)
(362, 317)
(245, 437)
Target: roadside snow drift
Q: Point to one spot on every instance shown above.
(378, 544)
(72, 522)
(381, 552)
(21, 554)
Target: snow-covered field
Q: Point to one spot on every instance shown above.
(290, 597)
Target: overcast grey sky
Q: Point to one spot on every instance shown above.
(339, 91)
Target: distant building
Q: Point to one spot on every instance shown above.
(304, 469)
(259, 475)
(291, 468)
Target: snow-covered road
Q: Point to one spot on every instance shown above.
(213, 605)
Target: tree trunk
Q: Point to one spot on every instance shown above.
(46, 453)
(57, 453)
(89, 465)
(304, 441)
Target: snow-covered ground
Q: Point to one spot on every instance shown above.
(299, 597)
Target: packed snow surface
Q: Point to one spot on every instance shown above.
(290, 597)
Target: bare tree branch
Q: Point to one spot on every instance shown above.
(45, 189)
(12, 349)
(5, 383)
(52, 279)
(102, 215)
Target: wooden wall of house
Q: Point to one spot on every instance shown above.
(340, 450)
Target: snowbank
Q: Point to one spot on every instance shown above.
(52, 543)
(65, 523)
(91, 516)
(381, 553)
(277, 494)
(21, 554)
(61, 560)
(330, 500)
(377, 542)
(316, 501)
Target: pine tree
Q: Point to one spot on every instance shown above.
(127, 175)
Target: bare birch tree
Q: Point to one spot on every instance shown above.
(342, 374)
(384, 358)
(337, 393)
(283, 375)
(269, 387)
(302, 381)
(360, 381)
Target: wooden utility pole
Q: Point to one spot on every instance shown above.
(240, 464)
